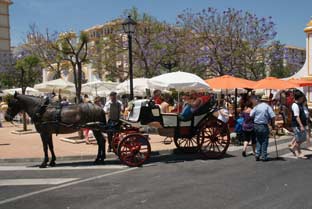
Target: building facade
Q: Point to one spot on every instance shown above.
(293, 58)
(5, 40)
(306, 70)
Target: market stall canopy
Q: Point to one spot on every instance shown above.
(301, 82)
(98, 88)
(56, 85)
(230, 82)
(29, 91)
(139, 87)
(180, 81)
(274, 83)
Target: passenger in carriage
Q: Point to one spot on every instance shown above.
(157, 97)
(199, 100)
(167, 105)
(192, 103)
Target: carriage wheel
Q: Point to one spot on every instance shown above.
(215, 139)
(187, 145)
(134, 150)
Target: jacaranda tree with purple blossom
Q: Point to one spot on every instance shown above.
(229, 42)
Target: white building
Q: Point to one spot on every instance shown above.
(306, 70)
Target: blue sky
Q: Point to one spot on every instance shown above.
(290, 16)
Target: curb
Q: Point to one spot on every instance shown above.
(79, 157)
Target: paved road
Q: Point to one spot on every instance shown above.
(175, 181)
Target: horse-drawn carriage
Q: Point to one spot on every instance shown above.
(202, 132)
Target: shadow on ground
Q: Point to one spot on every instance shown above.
(176, 156)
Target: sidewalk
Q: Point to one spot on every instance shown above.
(17, 148)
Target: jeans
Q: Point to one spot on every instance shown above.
(262, 134)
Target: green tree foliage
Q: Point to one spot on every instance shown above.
(26, 73)
(75, 51)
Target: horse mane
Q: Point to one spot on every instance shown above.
(35, 99)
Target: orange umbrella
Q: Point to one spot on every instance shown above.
(229, 82)
(301, 82)
(274, 83)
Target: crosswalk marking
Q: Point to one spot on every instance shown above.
(68, 184)
(291, 155)
(28, 182)
(26, 168)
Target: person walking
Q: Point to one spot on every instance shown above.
(2, 111)
(86, 130)
(298, 123)
(262, 115)
(308, 129)
(248, 129)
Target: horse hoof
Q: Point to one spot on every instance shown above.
(52, 164)
(98, 162)
(43, 165)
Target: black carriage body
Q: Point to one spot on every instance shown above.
(172, 124)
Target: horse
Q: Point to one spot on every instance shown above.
(59, 120)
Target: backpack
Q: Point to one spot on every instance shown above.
(239, 125)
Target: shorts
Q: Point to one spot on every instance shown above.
(300, 136)
(249, 136)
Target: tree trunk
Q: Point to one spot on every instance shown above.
(24, 113)
(79, 78)
(78, 91)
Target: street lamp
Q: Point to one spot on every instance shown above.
(129, 26)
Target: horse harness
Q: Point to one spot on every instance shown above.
(56, 117)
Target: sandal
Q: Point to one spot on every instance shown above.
(292, 151)
(302, 157)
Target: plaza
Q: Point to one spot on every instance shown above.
(174, 104)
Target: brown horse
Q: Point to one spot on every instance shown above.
(59, 120)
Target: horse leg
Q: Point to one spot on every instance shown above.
(101, 147)
(44, 140)
(51, 148)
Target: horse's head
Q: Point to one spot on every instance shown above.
(14, 107)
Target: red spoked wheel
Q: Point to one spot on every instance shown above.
(134, 150)
(215, 138)
(187, 144)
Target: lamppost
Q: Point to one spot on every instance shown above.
(129, 26)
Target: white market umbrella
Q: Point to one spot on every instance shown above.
(29, 91)
(101, 88)
(180, 81)
(139, 87)
(55, 85)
